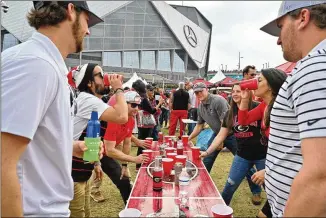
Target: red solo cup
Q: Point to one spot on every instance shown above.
(185, 140)
(251, 84)
(167, 165)
(166, 139)
(182, 159)
(170, 142)
(149, 139)
(222, 211)
(172, 156)
(160, 137)
(195, 153)
(169, 150)
(149, 153)
(106, 80)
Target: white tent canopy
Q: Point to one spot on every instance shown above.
(133, 79)
(219, 76)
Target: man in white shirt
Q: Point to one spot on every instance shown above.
(295, 164)
(89, 81)
(36, 126)
(192, 112)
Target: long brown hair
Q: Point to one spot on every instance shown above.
(234, 108)
(275, 79)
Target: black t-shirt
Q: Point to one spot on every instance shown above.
(180, 100)
(248, 138)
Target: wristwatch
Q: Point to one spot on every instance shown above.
(97, 163)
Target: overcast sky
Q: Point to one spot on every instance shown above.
(236, 27)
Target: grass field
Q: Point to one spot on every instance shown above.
(241, 202)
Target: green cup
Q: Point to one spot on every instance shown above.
(93, 149)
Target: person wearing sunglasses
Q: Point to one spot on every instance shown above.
(249, 72)
(88, 79)
(115, 135)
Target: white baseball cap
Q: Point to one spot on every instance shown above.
(83, 73)
(286, 7)
(132, 97)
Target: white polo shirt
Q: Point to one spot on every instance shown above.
(36, 105)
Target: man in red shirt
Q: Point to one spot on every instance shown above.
(116, 134)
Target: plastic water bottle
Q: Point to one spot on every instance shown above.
(184, 180)
(93, 125)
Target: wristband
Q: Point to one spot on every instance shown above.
(117, 90)
(124, 165)
(97, 163)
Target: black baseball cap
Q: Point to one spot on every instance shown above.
(93, 19)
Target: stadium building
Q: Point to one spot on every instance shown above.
(149, 37)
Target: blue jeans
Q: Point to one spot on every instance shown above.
(191, 127)
(231, 143)
(239, 169)
(155, 133)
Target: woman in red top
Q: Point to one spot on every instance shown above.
(269, 83)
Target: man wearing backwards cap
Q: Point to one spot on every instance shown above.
(114, 135)
(37, 136)
(295, 163)
(89, 81)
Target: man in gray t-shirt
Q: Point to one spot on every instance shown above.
(211, 110)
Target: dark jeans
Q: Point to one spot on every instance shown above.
(231, 143)
(113, 169)
(143, 133)
(239, 169)
(155, 133)
(164, 117)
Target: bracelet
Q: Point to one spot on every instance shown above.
(124, 165)
(118, 89)
(97, 163)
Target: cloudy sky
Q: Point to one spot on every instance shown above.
(236, 27)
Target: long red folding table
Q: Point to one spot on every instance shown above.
(203, 193)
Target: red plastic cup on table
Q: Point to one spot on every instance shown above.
(167, 166)
(160, 137)
(182, 159)
(166, 139)
(172, 156)
(170, 142)
(222, 211)
(169, 150)
(185, 140)
(195, 153)
(149, 154)
(251, 84)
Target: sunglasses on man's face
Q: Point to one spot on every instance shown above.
(98, 74)
(134, 105)
(198, 92)
(253, 74)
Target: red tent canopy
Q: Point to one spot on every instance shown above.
(286, 67)
(228, 81)
(202, 81)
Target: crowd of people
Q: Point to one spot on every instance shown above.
(277, 133)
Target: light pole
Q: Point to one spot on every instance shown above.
(239, 65)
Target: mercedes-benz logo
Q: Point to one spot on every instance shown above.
(190, 35)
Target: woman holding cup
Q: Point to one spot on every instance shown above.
(269, 84)
(250, 151)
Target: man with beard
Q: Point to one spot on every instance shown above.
(116, 134)
(36, 128)
(295, 164)
(89, 81)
